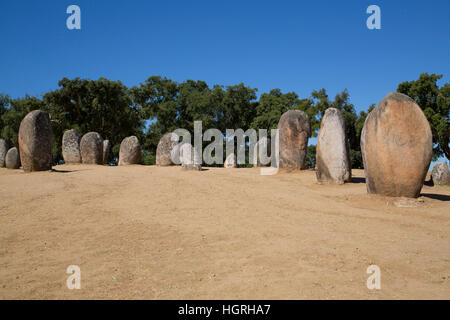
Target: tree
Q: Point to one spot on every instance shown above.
(272, 105)
(101, 105)
(435, 103)
(14, 110)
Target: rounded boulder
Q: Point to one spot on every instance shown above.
(164, 150)
(130, 151)
(396, 145)
(36, 141)
(91, 148)
(12, 159)
(440, 174)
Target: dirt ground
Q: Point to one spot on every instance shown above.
(144, 232)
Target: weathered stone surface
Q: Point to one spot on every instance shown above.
(36, 141)
(91, 147)
(71, 147)
(130, 151)
(190, 159)
(440, 174)
(106, 151)
(230, 161)
(3, 152)
(12, 159)
(262, 148)
(396, 145)
(332, 151)
(294, 131)
(165, 149)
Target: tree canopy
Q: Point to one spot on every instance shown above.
(435, 103)
(160, 105)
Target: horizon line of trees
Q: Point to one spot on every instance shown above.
(160, 105)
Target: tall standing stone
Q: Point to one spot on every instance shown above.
(3, 152)
(130, 151)
(36, 141)
(91, 147)
(440, 174)
(165, 149)
(396, 145)
(294, 131)
(106, 151)
(12, 160)
(190, 159)
(71, 147)
(332, 151)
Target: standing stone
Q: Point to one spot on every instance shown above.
(440, 174)
(106, 151)
(294, 131)
(130, 151)
(165, 149)
(396, 145)
(12, 160)
(3, 152)
(190, 159)
(262, 149)
(91, 147)
(230, 161)
(71, 147)
(332, 152)
(36, 141)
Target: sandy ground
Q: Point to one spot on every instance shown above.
(142, 232)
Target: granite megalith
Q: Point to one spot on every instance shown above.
(165, 149)
(36, 141)
(294, 131)
(3, 152)
(130, 151)
(91, 148)
(332, 152)
(396, 146)
(440, 174)
(12, 160)
(71, 147)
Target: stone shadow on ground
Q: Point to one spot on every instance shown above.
(441, 197)
(358, 180)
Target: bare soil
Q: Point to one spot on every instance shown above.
(146, 232)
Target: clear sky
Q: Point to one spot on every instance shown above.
(293, 45)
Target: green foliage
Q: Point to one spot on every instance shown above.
(435, 103)
(102, 105)
(170, 105)
(14, 111)
(311, 157)
(271, 106)
(115, 112)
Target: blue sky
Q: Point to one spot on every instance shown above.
(293, 45)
